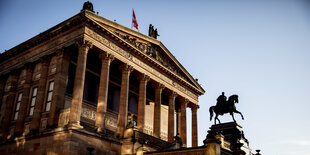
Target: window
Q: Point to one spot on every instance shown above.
(19, 98)
(33, 100)
(49, 96)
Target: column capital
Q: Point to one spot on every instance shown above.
(107, 57)
(159, 86)
(126, 68)
(172, 94)
(29, 66)
(60, 51)
(45, 60)
(184, 101)
(143, 77)
(194, 107)
(85, 44)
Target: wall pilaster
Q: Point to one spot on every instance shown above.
(24, 102)
(8, 100)
(35, 123)
(60, 80)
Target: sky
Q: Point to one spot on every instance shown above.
(258, 49)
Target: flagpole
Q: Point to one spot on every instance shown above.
(131, 17)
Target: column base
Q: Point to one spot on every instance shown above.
(74, 125)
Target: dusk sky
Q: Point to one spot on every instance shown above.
(258, 49)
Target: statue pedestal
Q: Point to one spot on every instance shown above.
(231, 136)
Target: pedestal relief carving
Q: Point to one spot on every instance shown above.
(88, 114)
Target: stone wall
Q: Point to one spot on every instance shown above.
(64, 142)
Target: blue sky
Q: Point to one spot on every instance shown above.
(257, 49)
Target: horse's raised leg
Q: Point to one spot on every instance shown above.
(239, 113)
(216, 118)
(232, 114)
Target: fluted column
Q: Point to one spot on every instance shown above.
(123, 105)
(8, 100)
(156, 126)
(24, 101)
(172, 96)
(142, 100)
(78, 88)
(183, 121)
(35, 123)
(60, 85)
(194, 109)
(106, 60)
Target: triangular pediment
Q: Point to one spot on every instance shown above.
(149, 46)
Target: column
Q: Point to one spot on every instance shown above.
(8, 100)
(2, 85)
(123, 105)
(156, 126)
(183, 121)
(171, 120)
(194, 109)
(60, 85)
(36, 118)
(24, 102)
(142, 101)
(106, 60)
(78, 88)
(2, 105)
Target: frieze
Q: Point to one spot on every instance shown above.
(111, 122)
(127, 55)
(179, 87)
(88, 113)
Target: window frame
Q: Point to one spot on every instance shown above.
(49, 92)
(33, 100)
(17, 105)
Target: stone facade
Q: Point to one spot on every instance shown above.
(90, 85)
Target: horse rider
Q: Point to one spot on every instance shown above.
(221, 100)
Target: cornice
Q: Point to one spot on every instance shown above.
(44, 36)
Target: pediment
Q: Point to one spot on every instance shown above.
(149, 46)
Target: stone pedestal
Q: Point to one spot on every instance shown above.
(232, 137)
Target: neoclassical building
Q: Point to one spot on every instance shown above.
(90, 85)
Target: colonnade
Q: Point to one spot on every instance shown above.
(107, 58)
(77, 98)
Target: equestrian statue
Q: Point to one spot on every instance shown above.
(224, 106)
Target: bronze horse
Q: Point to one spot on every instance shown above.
(226, 107)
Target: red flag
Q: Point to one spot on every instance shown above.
(134, 21)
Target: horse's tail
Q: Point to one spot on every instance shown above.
(211, 112)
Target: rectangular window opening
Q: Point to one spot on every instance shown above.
(49, 96)
(19, 99)
(33, 100)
